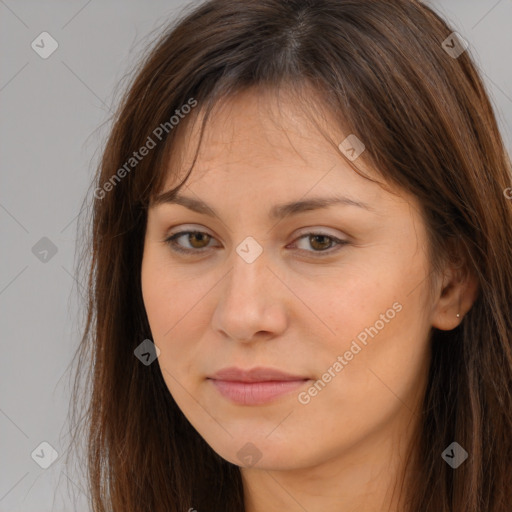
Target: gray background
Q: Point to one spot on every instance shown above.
(53, 121)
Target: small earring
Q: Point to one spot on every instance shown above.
(458, 315)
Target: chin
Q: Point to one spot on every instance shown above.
(255, 449)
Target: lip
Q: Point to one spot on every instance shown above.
(255, 386)
(257, 374)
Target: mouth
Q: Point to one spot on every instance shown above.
(256, 386)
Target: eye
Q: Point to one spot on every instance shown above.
(196, 238)
(322, 243)
(199, 240)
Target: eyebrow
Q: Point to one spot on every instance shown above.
(277, 212)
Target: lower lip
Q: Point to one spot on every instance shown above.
(255, 393)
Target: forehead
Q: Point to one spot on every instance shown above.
(260, 129)
(260, 151)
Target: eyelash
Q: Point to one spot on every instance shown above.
(171, 242)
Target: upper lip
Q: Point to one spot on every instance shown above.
(258, 374)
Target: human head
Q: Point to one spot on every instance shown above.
(393, 101)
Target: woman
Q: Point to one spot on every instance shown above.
(301, 270)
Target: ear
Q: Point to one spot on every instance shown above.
(458, 292)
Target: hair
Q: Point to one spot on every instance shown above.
(428, 126)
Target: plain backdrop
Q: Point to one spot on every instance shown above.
(53, 121)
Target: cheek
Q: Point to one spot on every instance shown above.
(177, 312)
(378, 327)
(377, 382)
(344, 306)
(168, 298)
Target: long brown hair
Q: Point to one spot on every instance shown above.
(385, 69)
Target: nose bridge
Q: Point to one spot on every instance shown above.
(248, 273)
(248, 297)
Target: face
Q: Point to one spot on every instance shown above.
(324, 311)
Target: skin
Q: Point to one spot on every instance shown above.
(292, 311)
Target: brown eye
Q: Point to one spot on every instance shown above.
(198, 242)
(193, 241)
(198, 238)
(320, 242)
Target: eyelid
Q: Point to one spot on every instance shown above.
(308, 230)
(185, 228)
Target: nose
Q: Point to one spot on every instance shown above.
(252, 302)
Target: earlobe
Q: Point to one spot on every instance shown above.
(458, 294)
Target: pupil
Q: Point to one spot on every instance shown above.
(199, 236)
(316, 237)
